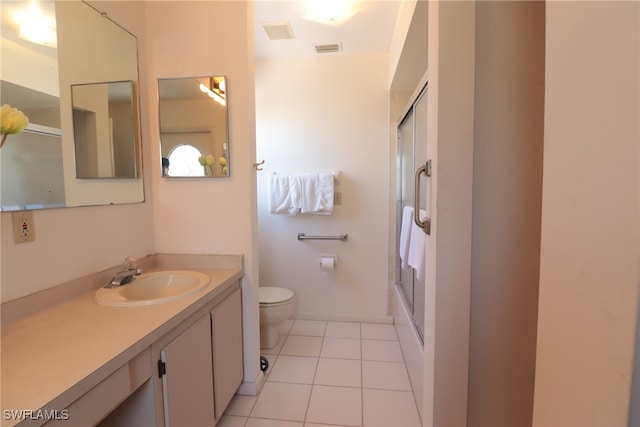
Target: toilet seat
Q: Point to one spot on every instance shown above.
(274, 295)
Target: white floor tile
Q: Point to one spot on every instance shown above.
(263, 422)
(302, 346)
(384, 351)
(282, 401)
(385, 375)
(241, 405)
(378, 331)
(294, 369)
(341, 348)
(339, 372)
(343, 330)
(310, 328)
(330, 374)
(335, 405)
(321, 425)
(386, 408)
(231, 421)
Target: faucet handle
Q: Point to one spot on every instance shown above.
(130, 263)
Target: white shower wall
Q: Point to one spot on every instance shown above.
(320, 114)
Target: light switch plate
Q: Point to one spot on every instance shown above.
(23, 227)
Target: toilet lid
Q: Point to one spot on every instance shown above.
(272, 294)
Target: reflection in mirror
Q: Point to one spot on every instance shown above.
(103, 130)
(31, 161)
(37, 166)
(193, 127)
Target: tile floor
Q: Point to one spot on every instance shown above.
(330, 374)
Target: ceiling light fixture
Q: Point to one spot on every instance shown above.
(35, 26)
(331, 12)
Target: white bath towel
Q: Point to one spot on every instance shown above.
(316, 195)
(405, 235)
(280, 195)
(306, 193)
(417, 247)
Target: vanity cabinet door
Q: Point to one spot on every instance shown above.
(228, 369)
(187, 382)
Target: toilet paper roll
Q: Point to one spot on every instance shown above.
(327, 263)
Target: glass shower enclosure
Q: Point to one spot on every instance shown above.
(412, 153)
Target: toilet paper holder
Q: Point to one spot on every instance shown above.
(332, 259)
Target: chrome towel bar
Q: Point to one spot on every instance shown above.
(342, 237)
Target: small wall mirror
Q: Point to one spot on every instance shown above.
(193, 127)
(104, 130)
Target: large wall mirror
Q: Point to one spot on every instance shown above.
(194, 134)
(82, 52)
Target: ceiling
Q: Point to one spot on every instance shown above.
(369, 30)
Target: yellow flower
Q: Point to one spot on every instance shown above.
(210, 160)
(12, 121)
(202, 161)
(222, 161)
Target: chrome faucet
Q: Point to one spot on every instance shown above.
(126, 274)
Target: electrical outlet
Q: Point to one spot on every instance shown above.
(23, 227)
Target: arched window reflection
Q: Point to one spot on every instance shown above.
(183, 161)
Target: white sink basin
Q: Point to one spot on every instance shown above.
(154, 288)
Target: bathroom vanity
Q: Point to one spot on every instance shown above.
(80, 363)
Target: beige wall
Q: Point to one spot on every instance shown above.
(590, 218)
(507, 198)
(321, 114)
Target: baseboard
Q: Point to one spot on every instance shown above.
(252, 388)
(363, 318)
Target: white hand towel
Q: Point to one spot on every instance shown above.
(317, 193)
(295, 189)
(417, 247)
(279, 195)
(405, 235)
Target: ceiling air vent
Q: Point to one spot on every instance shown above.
(278, 30)
(328, 48)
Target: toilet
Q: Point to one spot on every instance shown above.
(276, 306)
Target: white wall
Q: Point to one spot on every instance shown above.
(320, 114)
(75, 242)
(214, 216)
(448, 248)
(590, 213)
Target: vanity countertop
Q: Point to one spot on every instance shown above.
(52, 357)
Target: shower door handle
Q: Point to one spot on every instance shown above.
(426, 223)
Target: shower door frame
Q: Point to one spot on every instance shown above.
(414, 298)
